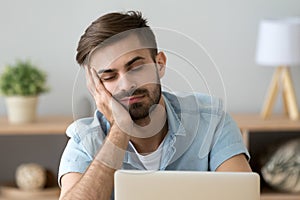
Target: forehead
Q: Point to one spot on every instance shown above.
(127, 47)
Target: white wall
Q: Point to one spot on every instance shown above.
(47, 32)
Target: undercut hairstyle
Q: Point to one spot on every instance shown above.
(112, 24)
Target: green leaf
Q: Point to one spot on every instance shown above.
(23, 78)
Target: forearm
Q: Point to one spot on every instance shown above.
(97, 181)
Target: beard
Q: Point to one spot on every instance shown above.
(142, 109)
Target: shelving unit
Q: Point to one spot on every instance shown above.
(44, 125)
(248, 123)
(254, 124)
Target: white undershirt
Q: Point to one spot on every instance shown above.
(150, 161)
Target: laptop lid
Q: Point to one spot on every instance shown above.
(182, 185)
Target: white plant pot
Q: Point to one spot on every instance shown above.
(21, 109)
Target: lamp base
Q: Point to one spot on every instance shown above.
(281, 78)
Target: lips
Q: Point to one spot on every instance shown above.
(132, 99)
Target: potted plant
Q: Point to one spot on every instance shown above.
(21, 84)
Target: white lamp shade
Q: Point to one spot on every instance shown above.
(278, 42)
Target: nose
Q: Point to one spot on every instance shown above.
(126, 83)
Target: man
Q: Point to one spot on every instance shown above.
(136, 125)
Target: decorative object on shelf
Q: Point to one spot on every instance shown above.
(31, 176)
(282, 170)
(32, 182)
(21, 84)
(278, 45)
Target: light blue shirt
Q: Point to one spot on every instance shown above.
(201, 136)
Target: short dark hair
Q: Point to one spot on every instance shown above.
(112, 24)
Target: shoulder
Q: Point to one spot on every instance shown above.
(185, 102)
(86, 127)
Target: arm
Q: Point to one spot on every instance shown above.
(229, 152)
(97, 181)
(68, 181)
(236, 163)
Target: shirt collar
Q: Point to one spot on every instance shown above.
(174, 123)
(175, 127)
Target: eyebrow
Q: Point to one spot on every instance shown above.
(101, 71)
(133, 60)
(126, 65)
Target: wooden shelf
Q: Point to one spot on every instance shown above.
(252, 123)
(279, 196)
(44, 125)
(271, 195)
(13, 193)
(44, 198)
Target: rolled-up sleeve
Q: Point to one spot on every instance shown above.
(74, 159)
(86, 137)
(227, 144)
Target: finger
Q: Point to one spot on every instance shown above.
(89, 80)
(97, 82)
(100, 88)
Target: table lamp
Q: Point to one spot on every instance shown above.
(278, 45)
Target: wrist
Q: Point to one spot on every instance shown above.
(111, 155)
(117, 134)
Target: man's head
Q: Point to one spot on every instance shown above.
(113, 24)
(122, 49)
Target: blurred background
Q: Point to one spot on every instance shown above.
(47, 33)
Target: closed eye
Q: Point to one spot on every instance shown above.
(107, 77)
(137, 67)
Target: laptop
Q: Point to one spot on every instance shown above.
(186, 185)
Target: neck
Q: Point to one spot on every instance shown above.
(149, 145)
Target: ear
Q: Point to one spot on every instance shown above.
(161, 61)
